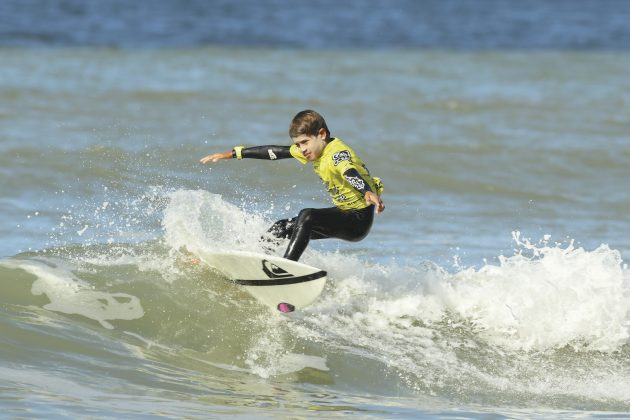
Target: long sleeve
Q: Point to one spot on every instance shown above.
(354, 178)
(266, 152)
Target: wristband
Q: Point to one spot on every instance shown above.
(238, 152)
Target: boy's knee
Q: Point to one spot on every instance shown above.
(304, 216)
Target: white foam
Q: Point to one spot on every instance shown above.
(542, 297)
(70, 295)
(552, 298)
(295, 362)
(268, 356)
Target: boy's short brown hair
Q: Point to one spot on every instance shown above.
(307, 122)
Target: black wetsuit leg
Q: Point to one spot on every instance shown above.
(349, 225)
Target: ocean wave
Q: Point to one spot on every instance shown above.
(542, 319)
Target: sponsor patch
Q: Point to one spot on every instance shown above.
(341, 156)
(356, 182)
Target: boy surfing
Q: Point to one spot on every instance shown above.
(354, 192)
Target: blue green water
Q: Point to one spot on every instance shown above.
(494, 284)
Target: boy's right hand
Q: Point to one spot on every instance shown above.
(371, 198)
(216, 157)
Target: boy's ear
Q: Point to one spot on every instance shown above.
(322, 133)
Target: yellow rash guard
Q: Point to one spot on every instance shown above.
(336, 159)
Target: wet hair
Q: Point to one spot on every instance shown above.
(308, 122)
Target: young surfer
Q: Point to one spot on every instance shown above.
(355, 193)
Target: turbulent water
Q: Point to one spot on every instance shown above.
(494, 284)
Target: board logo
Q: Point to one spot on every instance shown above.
(273, 271)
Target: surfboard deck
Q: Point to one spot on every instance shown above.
(281, 284)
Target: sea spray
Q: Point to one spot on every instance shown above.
(547, 296)
(199, 220)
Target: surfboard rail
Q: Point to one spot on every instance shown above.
(281, 281)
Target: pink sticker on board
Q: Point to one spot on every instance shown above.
(285, 307)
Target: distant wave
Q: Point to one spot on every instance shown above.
(439, 24)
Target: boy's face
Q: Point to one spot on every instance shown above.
(311, 146)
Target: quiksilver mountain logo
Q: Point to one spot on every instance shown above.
(273, 271)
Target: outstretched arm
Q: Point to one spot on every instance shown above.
(256, 152)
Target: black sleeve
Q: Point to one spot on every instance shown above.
(354, 178)
(266, 152)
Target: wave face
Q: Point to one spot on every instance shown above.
(548, 323)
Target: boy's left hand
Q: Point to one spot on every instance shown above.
(371, 198)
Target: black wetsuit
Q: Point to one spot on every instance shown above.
(332, 222)
(350, 225)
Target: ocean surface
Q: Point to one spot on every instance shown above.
(494, 285)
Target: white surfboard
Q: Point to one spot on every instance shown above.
(279, 283)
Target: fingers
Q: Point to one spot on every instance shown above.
(371, 198)
(209, 159)
(214, 157)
